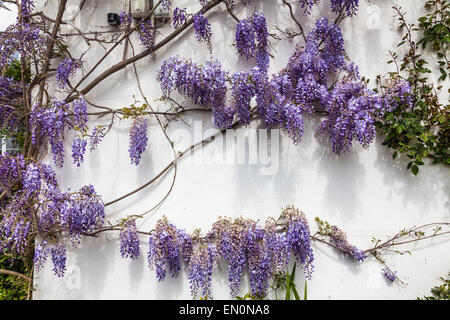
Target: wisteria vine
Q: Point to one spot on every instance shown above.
(37, 217)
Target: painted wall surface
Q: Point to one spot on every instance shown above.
(365, 192)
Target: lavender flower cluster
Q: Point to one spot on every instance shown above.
(201, 269)
(283, 99)
(39, 207)
(49, 123)
(138, 139)
(397, 92)
(179, 17)
(352, 108)
(129, 240)
(252, 39)
(126, 19)
(78, 150)
(389, 274)
(349, 7)
(147, 34)
(24, 37)
(10, 97)
(66, 69)
(202, 28)
(205, 85)
(339, 240)
(168, 247)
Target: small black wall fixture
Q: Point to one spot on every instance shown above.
(113, 19)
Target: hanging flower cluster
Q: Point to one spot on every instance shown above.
(168, 248)
(138, 139)
(389, 274)
(10, 100)
(129, 240)
(179, 17)
(349, 7)
(205, 85)
(126, 19)
(338, 239)
(38, 201)
(202, 28)
(397, 92)
(352, 108)
(243, 244)
(66, 69)
(201, 270)
(147, 34)
(49, 123)
(25, 37)
(252, 39)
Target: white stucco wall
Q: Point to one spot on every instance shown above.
(365, 192)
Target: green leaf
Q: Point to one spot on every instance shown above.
(415, 170)
(288, 287)
(305, 293)
(294, 290)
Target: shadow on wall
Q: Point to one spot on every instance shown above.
(423, 190)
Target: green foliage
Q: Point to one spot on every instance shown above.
(423, 130)
(441, 292)
(286, 281)
(435, 28)
(14, 70)
(12, 287)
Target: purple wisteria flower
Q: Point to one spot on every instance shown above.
(339, 240)
(389, 274)
(397, 93)
(58, 253)
(204, 84)
(262, 34)
(147, 34)
(245, 38)
(259, 266)
(10, 96)
(307, 5)
(125, 19)
(78, 214)
(78, 150)
(49, 123)
(80, 111)
(166, 4)
(231, 239)
(298, 239)
(129, 240)
(179, 17)
(200, 271)
(167, 249)
(352, 108)
(138, 139)
(66, 69)
(202, 28)
(40, 255)
(242, 91)
(348, 6)
(32, 179)
(27, 7)
(252, 39)
(96, 137)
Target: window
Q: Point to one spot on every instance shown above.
(9, 146)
